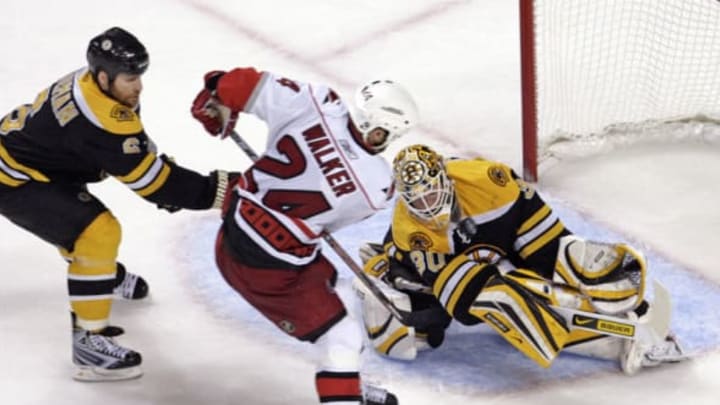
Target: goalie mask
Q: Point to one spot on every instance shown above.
(423, 183)
(386, 105)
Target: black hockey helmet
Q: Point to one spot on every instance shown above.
(117, 51)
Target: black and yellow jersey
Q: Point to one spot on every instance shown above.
(75, 133)
(510, 220)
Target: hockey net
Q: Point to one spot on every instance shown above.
(604, 74)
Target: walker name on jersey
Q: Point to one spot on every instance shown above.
(329, 161)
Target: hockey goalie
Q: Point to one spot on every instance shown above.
(470, 241)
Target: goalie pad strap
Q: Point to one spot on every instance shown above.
(386, 345)
(376, 266)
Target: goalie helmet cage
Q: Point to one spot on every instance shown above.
(600, 74)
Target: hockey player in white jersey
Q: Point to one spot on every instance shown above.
(320, 172)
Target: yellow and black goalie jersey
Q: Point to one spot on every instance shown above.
(75, 133)
(507, 219)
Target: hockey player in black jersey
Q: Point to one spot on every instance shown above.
(82, 129)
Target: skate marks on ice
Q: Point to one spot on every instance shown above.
(472, 360)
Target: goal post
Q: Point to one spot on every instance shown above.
(601, 74)
(529, 89)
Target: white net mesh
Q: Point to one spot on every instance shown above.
(618, 72)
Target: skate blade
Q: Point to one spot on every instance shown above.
(98, 374)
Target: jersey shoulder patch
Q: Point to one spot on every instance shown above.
(482, 186)
(103, 111)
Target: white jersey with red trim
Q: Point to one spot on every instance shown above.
(315, 174)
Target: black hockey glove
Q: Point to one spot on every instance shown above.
(430, 318)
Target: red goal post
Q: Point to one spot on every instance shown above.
(599, 74)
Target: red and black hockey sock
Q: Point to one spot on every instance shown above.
(338, 386)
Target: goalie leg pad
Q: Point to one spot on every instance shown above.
(591, 344)
(580, 341)
(369, 250)
(611, 275)
(659, 345)
(388, 336)
(554, 293)
(524, 320)
(376, 266)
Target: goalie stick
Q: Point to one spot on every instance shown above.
(407, 318)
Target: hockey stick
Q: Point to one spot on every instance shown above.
(244, 145)
(403, 316)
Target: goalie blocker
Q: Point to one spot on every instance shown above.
(594, 306)
(387, 334)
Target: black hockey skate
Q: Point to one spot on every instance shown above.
(97, 357)
(129, 286)
(378, 396)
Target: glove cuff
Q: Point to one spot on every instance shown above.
(222, 185)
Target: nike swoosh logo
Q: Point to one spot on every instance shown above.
(583, 321)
